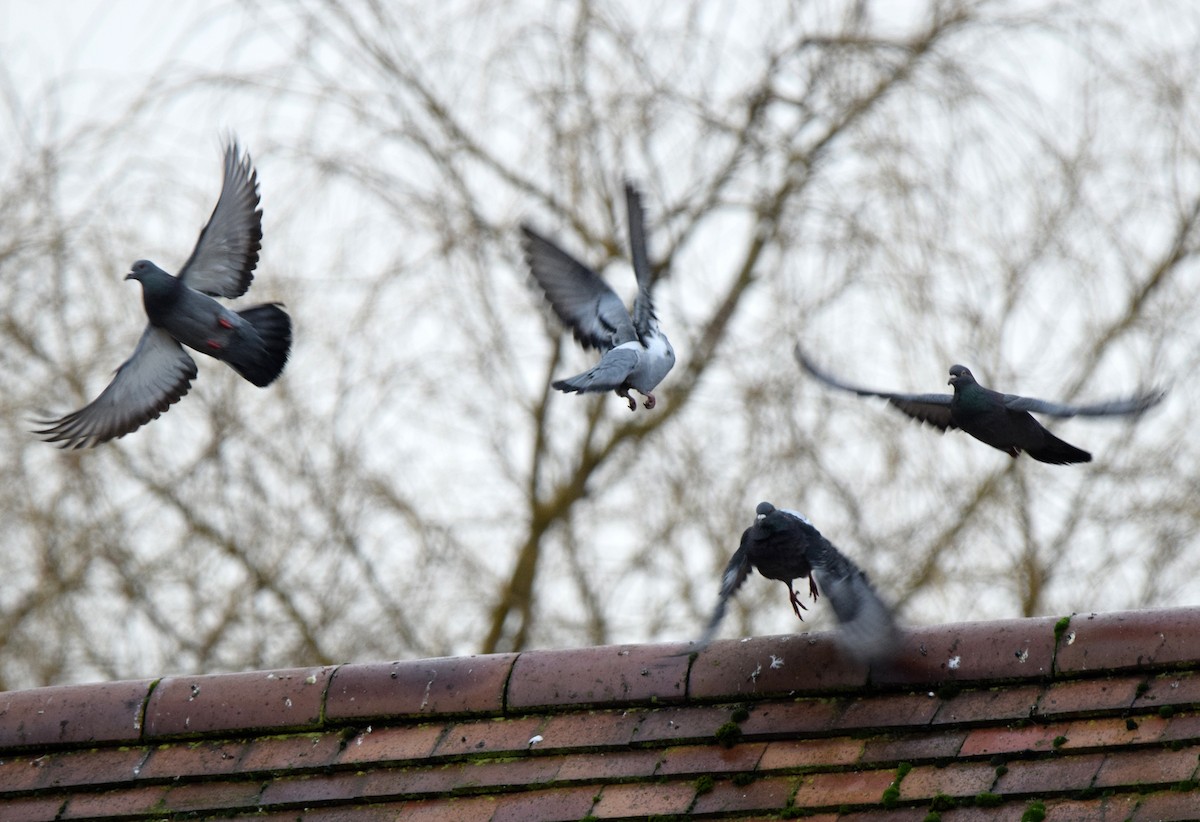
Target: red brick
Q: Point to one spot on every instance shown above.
(777, 665)
(315, 788)
(892, 711)
(31, 808)
(1169, 689)
(450, 685)
(768, 794)
(119, 802)
(1083, 696)
(73, 714)
(808, 753)
(210, 796)
(395, 744)
(829, 790)
(955, 779)
(711, 759)
(612, 765)
(417, 781)
(1130, 639)
(973, 651)
(277, 753)
(1056, 774)
(913, 747)
(644, 799)
(1153, 767)
(1165, 807)
(186, 705)
(991, 705)
(1117, 808)
(99, 766)
(489, 736)
(458, 809)
(1180, 728)
(557, 805)
(1111, 732)
(604, 675)
(589, 729)
(531, 771)
(1001, 740)
(191, 759)
(23, 773)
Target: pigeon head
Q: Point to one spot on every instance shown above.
(763, 509)
(147, 273)
(960, 375)
(159, 289)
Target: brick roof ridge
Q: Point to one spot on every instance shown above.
(1077, 710)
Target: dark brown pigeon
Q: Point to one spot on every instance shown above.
(1002, 421)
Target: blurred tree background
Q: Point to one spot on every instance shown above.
(1012, 186)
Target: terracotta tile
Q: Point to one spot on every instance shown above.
(314, 788)
(122, 801)
(23, 773)
(31, 808)
(766, 794)
(91, 767)
(556, 805)
(374, 812)
(489, 736)
(73, 714)
(1111, 732)
(1002, 703)
(1117, 808)
(788, 719)
(531, 770)
(189, 705)
(277, 753)
(891, 711)
(1130, 639)
(830, 790)
(1055, 774)
(458, 809)
(974, 651)
(416, 781)
(590, 729)
(450, 685)
(913, 747)
(1003, 740)
(1179, 728)
(711, 759)
(681, 724)
(191, 759)
(786, 665)
(786, 754)
(1169, 689)
(611, 765)
(1089, 695)
(955, 779)
(394, 744)
(1152, 767)
(214, 796)
(644, 799)
(608, 675)
(891, 815)
(1165, 807)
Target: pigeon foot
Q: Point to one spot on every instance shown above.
(812, 589)
(796, 603)
(624, 393)
(650, 401)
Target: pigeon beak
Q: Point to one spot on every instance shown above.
(129, 276)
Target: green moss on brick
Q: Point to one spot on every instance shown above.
(948, 690)
(891, 795)
(1001, 771)
(941, 802)
(1060, 628)
(793, 813)
(1186, 786)
(743, 779)
(728, 734)
(1059, 741)
(1166, 711)
(740, 714)
(988, 799)
(704, 784)
(1034, 812)
(1142, 688)
(932, 816)
(902, 770)
(1130, 725)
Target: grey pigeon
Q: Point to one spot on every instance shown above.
(636, 355)
(255, 342)
(783, 545)
(1002, 421)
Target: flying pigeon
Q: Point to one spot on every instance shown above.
(1002, 421)
(636, 355)
(783, 545)
(255, 341)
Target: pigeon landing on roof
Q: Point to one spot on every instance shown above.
(783, 545)
(1002, 421)
(636, 354)
(255, 342)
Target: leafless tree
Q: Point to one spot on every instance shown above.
(1014, 189)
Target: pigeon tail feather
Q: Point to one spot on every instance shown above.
(1057, 452)
(262, 360)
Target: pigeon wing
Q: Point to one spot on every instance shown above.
(933, 409)
(866, 627)
(735, 574)
(222, 263)
(582, 300)
(1129, 405)
(643, 306)
(146, 385)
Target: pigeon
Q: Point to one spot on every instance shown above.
(1002, 421)
(636, 354)
(784, 545)
(255, 342)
